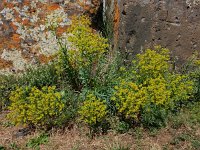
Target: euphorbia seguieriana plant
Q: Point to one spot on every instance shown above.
(79, 61)
(151, 82)
(93, 111)
(35, 107)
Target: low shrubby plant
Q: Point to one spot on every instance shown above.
(69, 113)
(154, 116)
(78, 62)
(7, 85)
(128, 99)
(35, 107)
(122, 127)
(93, 111)
(43, 75)
(2, 147)
(36, 102)
(192, 68)
(151, 89)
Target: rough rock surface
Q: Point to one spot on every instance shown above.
(137, 25)
(25, 38)
(174, 24)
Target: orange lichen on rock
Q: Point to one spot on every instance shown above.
(9, 5)
(91, 8)
(2, 45)
(26, 2)
(5, 64)
(5, 27)
(9, 43)
(45, 59)
(116, 23)
(25, 22)
(60, 30)
(12, 44)
(52, 7)
(18, 19)
(14, 27)
(16, 38)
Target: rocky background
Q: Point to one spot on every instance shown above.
(135, 24)
(25, 38)
(174, 24)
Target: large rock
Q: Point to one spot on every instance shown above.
(174, 24)
(25, 38)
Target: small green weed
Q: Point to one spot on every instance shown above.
(153, 132)
(14, 146)
(118, 146)
(164, 147)
(44, 75)
(177, 121)
(2, 148)
(154, 117)
(196, 144)
(7, 124)
(188, 116)
(7, 84)
(138, 132)
(122, 127)
(36, 142)
(76, 146)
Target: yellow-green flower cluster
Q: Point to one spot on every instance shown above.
(152, 63)
(34, 106)
(181, 88)
(197, 63)
(93, 110)
(152, 83)
(129, 98)
(87, 45)
(79, 59)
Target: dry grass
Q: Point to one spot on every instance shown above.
(181, 133)
(77, 139)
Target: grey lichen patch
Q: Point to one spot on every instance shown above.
(26, 29)
(16, 57)
(144, 2)
(192, 3)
